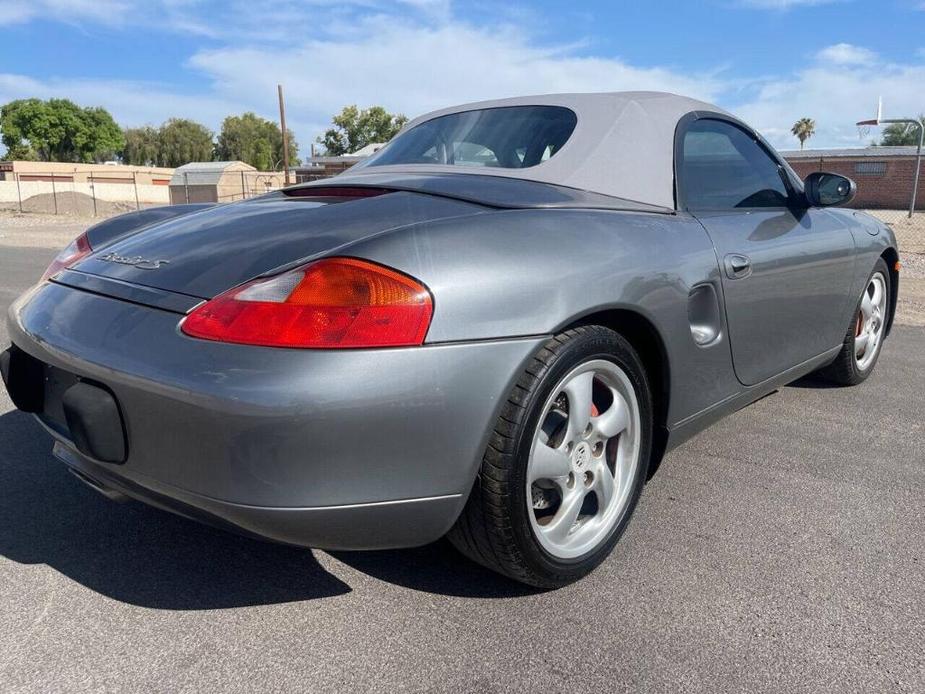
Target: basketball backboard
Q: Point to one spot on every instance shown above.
(873, 121)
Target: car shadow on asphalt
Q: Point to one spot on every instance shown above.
(813, 382)
(147, 557)
(133, 553)
(436, 568)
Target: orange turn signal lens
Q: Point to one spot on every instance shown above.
(333, 303)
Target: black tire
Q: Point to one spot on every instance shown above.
(844, 371)
(494, 528)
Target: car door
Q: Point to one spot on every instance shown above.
(786, 268)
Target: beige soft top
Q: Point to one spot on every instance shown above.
(622, 145)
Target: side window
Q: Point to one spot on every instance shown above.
(723, 168)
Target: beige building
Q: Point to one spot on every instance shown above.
(221, 181)
(71, 172)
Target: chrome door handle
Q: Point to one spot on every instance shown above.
(738, 266)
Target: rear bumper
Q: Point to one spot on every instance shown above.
(377, 525)
(334, 449)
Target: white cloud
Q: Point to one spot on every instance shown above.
(284, 22)
(409, 66)
(362, 52)
(131, 103)
(836, 96)
(15, 13)
(247, 20)
(415, 68)
(846, 54)
(101, 11)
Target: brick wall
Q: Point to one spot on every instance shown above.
(890, 189)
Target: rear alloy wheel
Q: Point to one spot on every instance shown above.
(566, 462)
(864, 340)
(584, 459)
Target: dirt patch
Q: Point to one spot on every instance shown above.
(73, 204)
(913, 265)
(910, 308)
(49, 230)
(41, 230)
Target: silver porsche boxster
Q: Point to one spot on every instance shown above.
(493, 328)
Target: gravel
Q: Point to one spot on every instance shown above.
(71, 203)
(913, 265)
(41, 230)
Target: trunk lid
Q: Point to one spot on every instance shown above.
(207, 252)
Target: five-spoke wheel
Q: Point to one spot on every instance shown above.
(584, 457)
(864, 339)
(566, 462)
(871, 321)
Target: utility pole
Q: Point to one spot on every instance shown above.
(282, 126)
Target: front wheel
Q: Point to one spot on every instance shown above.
(862, 343)
(566, 462)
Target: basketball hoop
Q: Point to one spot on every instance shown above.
(863, 131)
(864, 127)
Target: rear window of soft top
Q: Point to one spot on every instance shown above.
(508, 137)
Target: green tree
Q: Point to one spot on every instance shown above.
(104, 137)
(180, 141)
(58, 130)
(255, 141)
(26, 126)
(141, 146)
(897, 134)
(355, 128)
(804, 129)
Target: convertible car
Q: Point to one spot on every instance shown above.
(492, 329)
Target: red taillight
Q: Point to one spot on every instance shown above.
(76, 250)
(331, 303)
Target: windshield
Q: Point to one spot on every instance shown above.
(511, 137)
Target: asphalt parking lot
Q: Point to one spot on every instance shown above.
(782, 550)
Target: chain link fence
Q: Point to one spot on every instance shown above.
(250, 184)
(220, 185)
(88, 193)
(92, 194)
(82, 192)
(909, 229)
(885, 178)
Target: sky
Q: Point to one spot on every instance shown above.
(769, 62)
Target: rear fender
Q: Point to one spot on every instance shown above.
(531, 272)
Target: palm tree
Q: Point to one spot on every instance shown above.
(804, 129)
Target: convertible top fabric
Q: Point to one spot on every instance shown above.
(622, 145)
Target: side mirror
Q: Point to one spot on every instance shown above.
(824, 189)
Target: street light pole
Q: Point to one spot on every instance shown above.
(918, 166)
